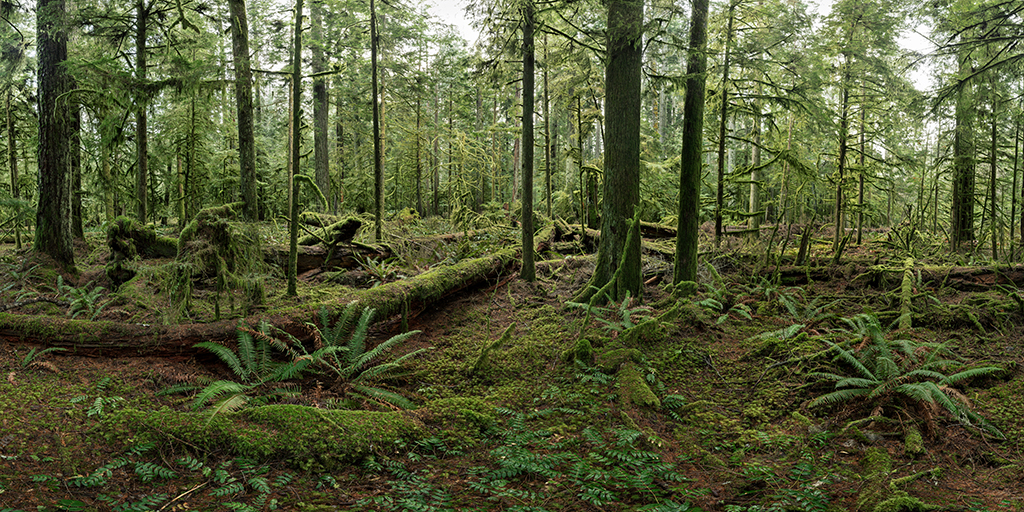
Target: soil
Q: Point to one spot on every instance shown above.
(732, 416)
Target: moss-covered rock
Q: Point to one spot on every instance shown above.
(303, 436)
(913, 443)
(903, 502)
(129, 240)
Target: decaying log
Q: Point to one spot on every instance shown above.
(968, 279)
(315, 256)
(106, 338)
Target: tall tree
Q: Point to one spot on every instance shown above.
(321, 105)
(295, 157)
(616, 260)
(53, 210)
(693, 145)
(243, 101)
(528, 273)
(141, 130)
(378, 169)
(962, 212)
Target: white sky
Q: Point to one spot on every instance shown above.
(453, 12)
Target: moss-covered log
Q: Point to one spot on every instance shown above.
(333, 234)
(305, 437)
(315, 256)
(112, 338)
(968, 279)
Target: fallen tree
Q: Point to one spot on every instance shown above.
(108, 338)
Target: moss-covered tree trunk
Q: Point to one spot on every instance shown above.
(622, 153)
(243, 104)
(693, 146)
(294, 139)
(528, 272)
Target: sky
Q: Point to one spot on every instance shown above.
(453, 12)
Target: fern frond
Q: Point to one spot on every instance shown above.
(365, 358)
(247, 356)
(216, 389)
(383, 395)
(984, 371)
(842, 395)
(225, 355)
(229, 404)
(357, 343)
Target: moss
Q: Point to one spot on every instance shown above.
(582, 351)
(461, 417)
(875, 469)
(611, 360)
(483, 360)
(902, 502)
(303, 436)
(647, 332)
(634, 390)
(913, 443)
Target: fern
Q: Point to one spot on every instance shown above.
(149, 471)
(229, 489)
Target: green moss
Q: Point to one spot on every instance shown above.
(903, 502)
(462, 417)
(875, 469)
(634, 390)
(913, 443)
(610, 361)
(303, 436)
(647, 332)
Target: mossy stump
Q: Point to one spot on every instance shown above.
(215, 250)
(129, 240)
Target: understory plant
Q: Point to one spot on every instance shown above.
(905, 376)
(342, 352)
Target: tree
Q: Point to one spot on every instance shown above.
(321, 105)
(693, 145)
(53, 211)
(528, 273)
(378, 164)
(243, 101)
(295, 153)
(618, 265)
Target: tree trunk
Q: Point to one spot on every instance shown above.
(321, 104)
(693, 147)
(962, 229)
(141, 131)
(547, 129)
(844, 131)
(389, 300)
(724, 119)
(243, 105)
(528, 272)
(12, 162)
(993, 156)
(378, 169)
(295, 138)
(615, 259)
(53, 210)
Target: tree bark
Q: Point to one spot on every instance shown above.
(321, 104)
(294, 139)
(615, 259)
(722, 132)
(12, 163)
(53, 210)
(141, 130)
(528, 272)
(962, 215)
(243, 105)
(692, 147)
(378, 169)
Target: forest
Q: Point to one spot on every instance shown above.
(643, 255)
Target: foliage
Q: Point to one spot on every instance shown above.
(341, 351)
(255, 368)
(901, 374)
(82, 300)
(615, 317)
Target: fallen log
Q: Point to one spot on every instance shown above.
(96, 338)
(967, 279)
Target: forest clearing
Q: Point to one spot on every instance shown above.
(517, 399)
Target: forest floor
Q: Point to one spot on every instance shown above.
(698, 403)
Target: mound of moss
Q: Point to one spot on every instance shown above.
(305, 437)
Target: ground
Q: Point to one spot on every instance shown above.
(526, 402)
